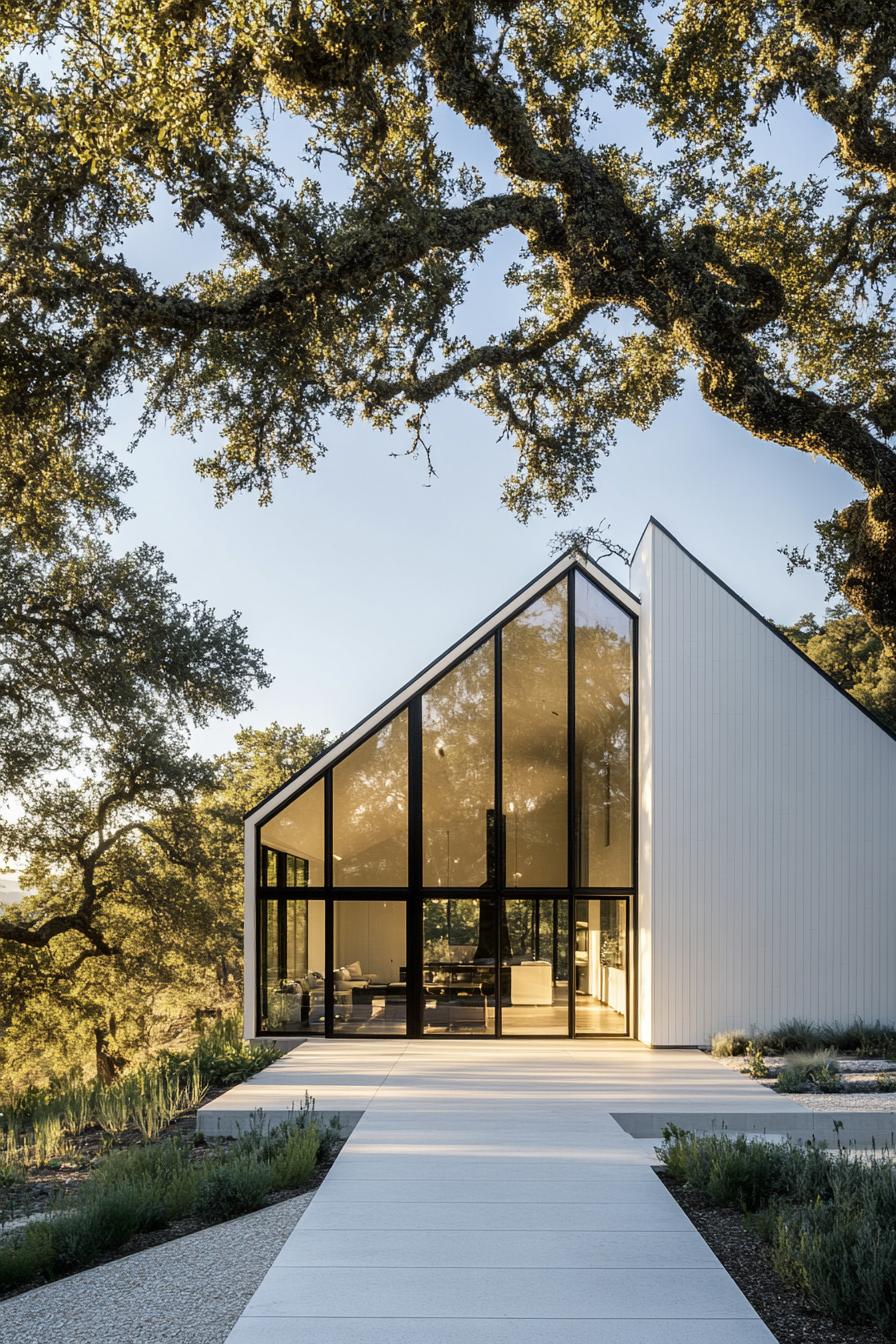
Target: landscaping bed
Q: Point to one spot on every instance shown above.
(36, 1187)
(808, 1233)
(807, 1058)
(91, 1171)
(740, 1249)
(150, 1191)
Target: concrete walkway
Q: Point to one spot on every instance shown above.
(487, 1194)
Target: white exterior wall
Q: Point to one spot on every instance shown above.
(767, 870)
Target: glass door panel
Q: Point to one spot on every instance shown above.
(292, 971)
(460, 942)
(601, 966)
(370, 968)
(534, 962)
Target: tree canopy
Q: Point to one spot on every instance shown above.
(853, 655)
(168, 912)
(340, 287)
(104, 674)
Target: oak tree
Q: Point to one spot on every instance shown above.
(340, 287)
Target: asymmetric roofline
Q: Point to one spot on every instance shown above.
(570, 559)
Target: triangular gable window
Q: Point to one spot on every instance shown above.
(422, 789)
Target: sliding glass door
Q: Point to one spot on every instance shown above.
(601, 966)
(460, 947)
(535, 967)
(370, 988)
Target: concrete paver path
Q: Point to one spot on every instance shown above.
(487, 1194)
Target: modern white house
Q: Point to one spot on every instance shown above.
(605, 811)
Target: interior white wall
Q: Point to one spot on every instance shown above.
(768, 803)
(317, 959)
(372, 932)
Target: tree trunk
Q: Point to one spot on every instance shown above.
(108, 1065)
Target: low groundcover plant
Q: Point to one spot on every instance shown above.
(828, 1217)
(152, 1185)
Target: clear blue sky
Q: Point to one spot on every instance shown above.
(360, 574)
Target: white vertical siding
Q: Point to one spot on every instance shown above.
(250, 933)
(642, 582)
(768, 822)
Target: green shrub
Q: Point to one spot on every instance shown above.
(36, 1125)
(223, 1058)
(842, 1260)
(28, 1257)
(234, 1186)
(818, 1072)
(727, 1043)
(793, 1034)
(864, 1040)
(755, 1066)
(829, 1217)
(294, 1164)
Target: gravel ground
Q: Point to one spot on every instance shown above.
(844, 1101)
(188, 1291)
(740, 1250)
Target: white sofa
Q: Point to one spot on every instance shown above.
(531, 983)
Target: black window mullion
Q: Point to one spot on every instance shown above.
(500, 874)
(329, 1015)
(414, 919)
(572, 801)
(415, 794)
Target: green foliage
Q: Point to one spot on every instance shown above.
(176, 930)
(814, 1072)
(725, 1044)
(146, 1187)
(39, 1124)
(224, 1059)
(340, 292)
(863, 1040)
(234, 1187)
(755, 1066)
(841, 1259)
(852, 655)
(829, 1217)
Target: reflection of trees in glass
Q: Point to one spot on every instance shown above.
(298, 830)
(461, 929)
(534, 674)
(537, 927)
(603, 738)
(459, 772)
(370, 806)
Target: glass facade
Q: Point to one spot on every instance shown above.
(295, 836)
(370, 811)
(292, 962)
(369, 956)
(603, 770)
(459, 956)
(534, 967)
(535, 676)
(601, 966)
(458, 741)
(472, 859)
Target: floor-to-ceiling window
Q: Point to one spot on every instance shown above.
(601, 966)
(471, 857)
(460, 948)
(292, 958)
(535, 966)
(370, 968)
